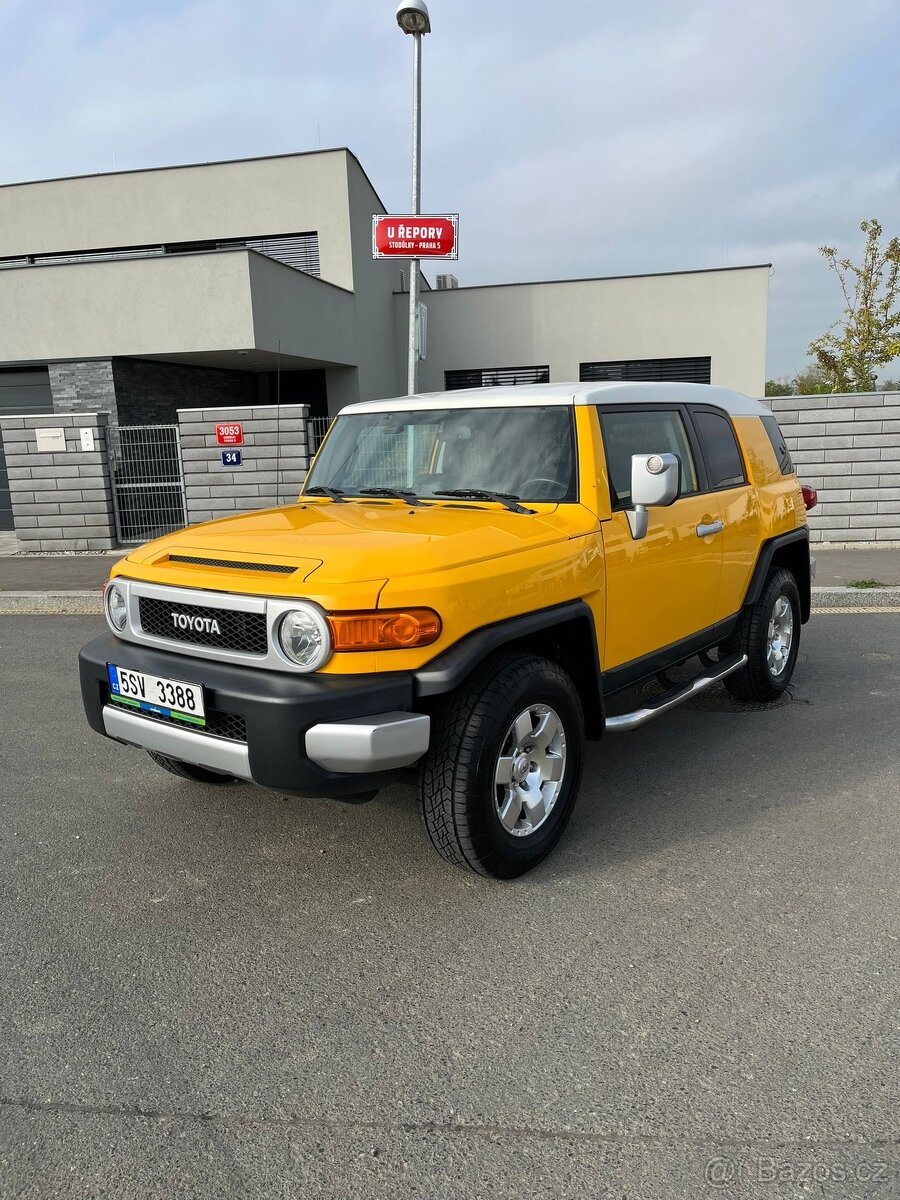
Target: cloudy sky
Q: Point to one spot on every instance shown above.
(575, 139)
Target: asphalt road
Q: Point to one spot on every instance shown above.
(219, 992)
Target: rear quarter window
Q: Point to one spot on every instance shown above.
(776, 437)
(720, 449)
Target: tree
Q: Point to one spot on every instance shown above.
(779, 387)
(868, 335)
(810, 381)
(813, 381)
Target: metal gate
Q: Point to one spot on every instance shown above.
(316, 428)
(148, 482)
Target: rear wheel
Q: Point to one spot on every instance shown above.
(499, 782)
(768, 632)
(188, 771)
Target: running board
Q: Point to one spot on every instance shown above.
(641, 716)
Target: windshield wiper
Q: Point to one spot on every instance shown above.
(335, 494)
(507, 499)
(396, 493)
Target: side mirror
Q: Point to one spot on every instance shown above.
(654, 484)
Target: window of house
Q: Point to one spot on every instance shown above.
(724, 464)
(626, 432)
(677, 370)
(495, 377)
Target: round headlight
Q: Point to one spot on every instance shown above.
(116, 608)
(305, 638)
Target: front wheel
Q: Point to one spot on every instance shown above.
(500, 779)
(768, 632)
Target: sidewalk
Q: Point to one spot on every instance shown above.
(55, 573)
(840, 568)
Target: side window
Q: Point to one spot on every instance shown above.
(626, 432)
(776, 437)
(720, 449)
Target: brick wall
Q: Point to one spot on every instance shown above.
(848, 448)
(60, 500)
(83, 387)
(274, 448)
(151, 393)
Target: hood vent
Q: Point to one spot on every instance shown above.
(272, 568)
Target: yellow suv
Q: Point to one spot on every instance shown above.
(469, 586)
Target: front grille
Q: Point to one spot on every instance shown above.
(230, 726)
(274, 568)
(244, 632)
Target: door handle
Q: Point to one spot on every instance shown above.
(713, 527)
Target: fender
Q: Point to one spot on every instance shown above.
(575, 623)
(793, 549)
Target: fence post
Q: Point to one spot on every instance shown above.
(59, 481)
(274, 459)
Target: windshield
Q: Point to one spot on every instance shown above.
(528, 453)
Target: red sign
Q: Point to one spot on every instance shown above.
(415, 237)
(230, 434)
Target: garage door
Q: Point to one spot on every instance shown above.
(20, 392)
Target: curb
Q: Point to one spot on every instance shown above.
(51, 603)
(851, 599)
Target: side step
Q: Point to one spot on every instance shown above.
(641, 716)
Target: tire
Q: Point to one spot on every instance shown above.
(769, 668)
(188, 771)
(475, 743)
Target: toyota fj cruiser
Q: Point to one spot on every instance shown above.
(466, 589)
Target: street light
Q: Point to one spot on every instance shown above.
(413, 18)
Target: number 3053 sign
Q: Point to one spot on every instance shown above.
(230, 433)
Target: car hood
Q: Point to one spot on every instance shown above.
(329, 543)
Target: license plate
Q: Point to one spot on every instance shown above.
(154, 694)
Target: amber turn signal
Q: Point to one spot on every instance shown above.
(400, 629)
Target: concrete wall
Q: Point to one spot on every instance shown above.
(717, 313)
(131, 308)
(295, 193)
(848, 448)
(61, 500)
(374, 284)
(275, 459)
(201, 308)
(302, 316)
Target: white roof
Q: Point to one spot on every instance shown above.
(539, 394)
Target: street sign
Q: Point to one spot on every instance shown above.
(415, 237)
(231, 458)
(230, 434)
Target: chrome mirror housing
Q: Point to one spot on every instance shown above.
(654, 484)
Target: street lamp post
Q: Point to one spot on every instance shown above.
(412, 17)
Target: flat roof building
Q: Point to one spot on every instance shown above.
(142, 292)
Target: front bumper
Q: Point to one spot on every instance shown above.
(307, 736)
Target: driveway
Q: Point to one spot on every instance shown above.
(220, 992)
